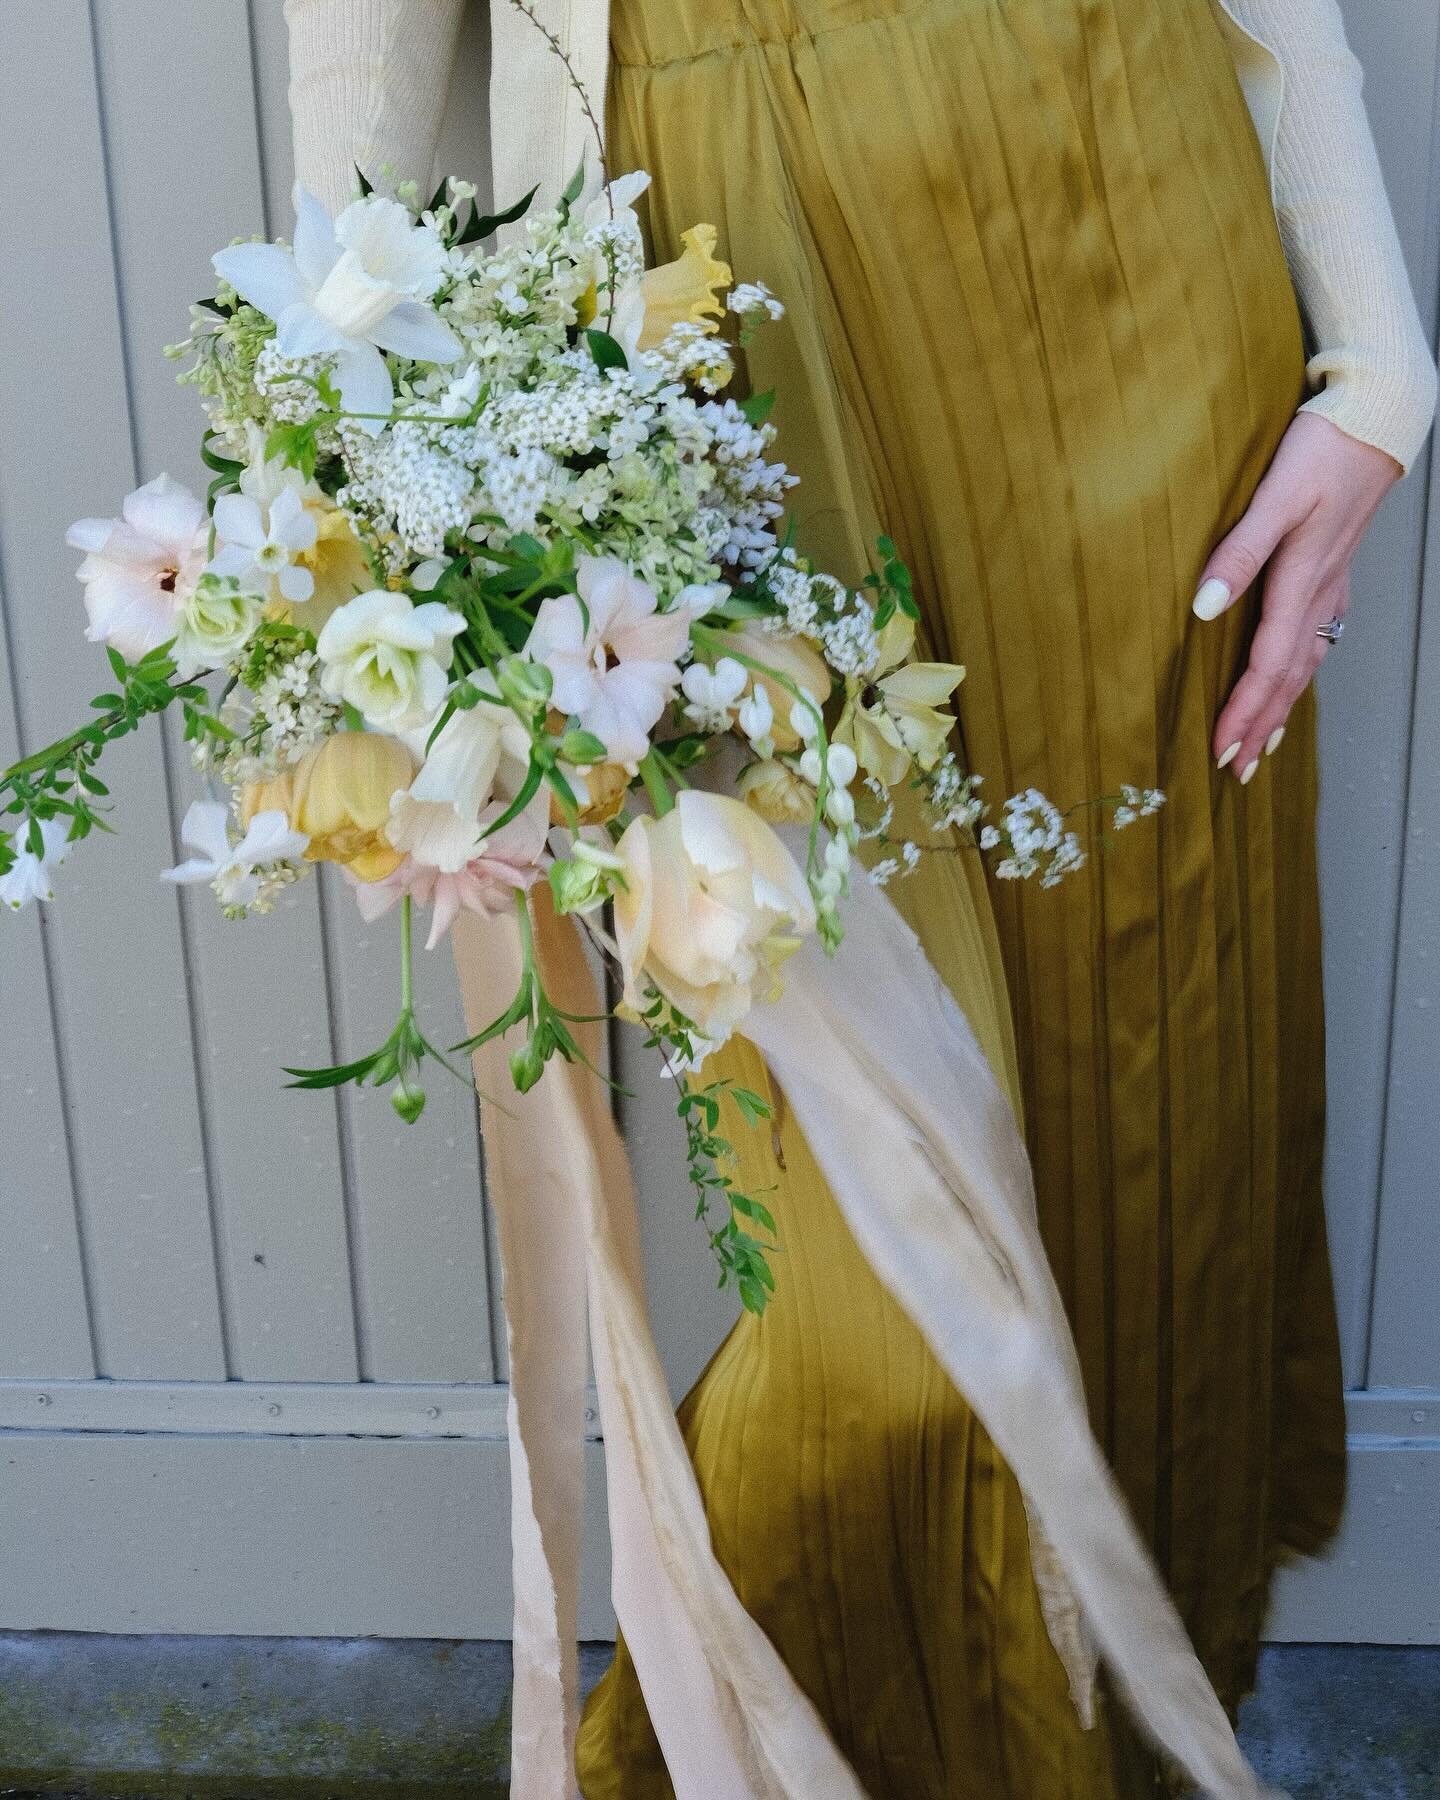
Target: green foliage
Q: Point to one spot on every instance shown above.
(59, 782)
(758, 407)
(710, 1156)
(606, 352)
(891, 585)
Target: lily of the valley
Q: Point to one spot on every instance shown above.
(233, 869)
(140, 569)
(32, 877)
(387, 657)
(350, 288)
(615, 658)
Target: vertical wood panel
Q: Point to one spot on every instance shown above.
(1405, 1314)
(1365, 710)
(119, 975)
(44, 1317)
(185, 179)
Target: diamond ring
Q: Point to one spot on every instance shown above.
(1332, 631)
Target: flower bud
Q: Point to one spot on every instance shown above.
(409, 1102)
(525, 684)
(527, 1065)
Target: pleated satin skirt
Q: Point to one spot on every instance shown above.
(1041, 331)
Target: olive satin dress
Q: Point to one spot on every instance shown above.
(1041, 330)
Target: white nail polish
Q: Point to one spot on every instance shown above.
(1247, 774)
(1213, 598)
(1272, 743)
(1229, 756)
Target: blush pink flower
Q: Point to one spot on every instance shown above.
(509, 864)
(140, 569)
(614, 659)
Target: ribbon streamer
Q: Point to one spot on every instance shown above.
(921, 1149)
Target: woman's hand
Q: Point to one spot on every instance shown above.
(1302, 529)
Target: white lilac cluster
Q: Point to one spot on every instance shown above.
(287, 714)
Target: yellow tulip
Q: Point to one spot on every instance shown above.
(684, 291)
(339, 796)
(902, 721)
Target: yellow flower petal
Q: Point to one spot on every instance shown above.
(685, 290)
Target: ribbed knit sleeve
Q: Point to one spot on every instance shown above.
(1371, 362)
(368, 80)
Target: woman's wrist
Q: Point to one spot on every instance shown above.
(1391, 409)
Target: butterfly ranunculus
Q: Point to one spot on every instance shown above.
(614, 659)
(140, 569)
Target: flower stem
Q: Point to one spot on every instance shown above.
(407, 973)
(653, 776)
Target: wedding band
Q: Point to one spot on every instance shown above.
(1331, 632)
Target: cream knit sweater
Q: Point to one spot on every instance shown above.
(368, 80)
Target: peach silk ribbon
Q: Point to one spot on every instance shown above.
(922, 1152)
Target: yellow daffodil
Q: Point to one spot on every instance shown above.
(896, 718)
(685, 290)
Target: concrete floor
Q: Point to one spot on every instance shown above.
(246, 1718)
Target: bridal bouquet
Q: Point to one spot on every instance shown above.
(490, 568)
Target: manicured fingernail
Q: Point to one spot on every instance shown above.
(1229, 756)
(1213, 598)
(1248, 772)
(1272, 743)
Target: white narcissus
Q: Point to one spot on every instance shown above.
(711, 905)
(140, 569)
(231, 868)
(351, 288)
(387, 657)
(479, 755)
(614, 659)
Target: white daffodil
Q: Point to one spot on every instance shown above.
(387, 657)
(350, 288)
(233, 869)
(140, 569)
(259, 545)
(32, 877)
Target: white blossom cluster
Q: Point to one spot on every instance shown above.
(817, 606)
(1036, 841)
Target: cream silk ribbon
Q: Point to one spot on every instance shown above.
(921, 1150)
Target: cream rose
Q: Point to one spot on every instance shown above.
(387, 657)
(711, 906)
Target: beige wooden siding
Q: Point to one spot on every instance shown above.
(251, 1356)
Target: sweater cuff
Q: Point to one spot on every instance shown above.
(1393, 413)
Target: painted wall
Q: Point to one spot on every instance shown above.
(250, 1351)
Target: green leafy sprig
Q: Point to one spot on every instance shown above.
(59, 782)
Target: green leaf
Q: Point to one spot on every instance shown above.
(753, 1107)
(437, 199)
(757, 407)
(117, 663)
(354, 718)
(483, 224)
(574, 187)
(365, 188)
(527, 793)
(605, 351)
